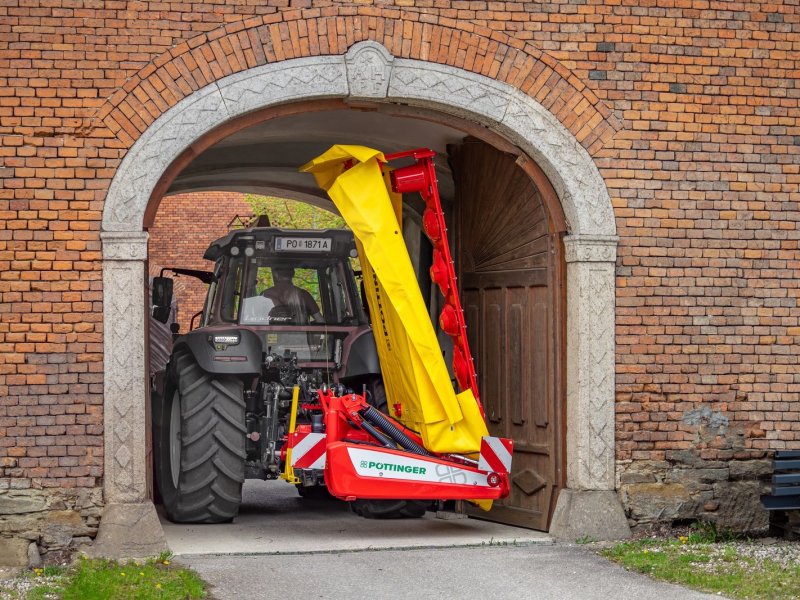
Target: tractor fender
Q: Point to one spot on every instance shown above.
(360, 355)
(240, 358)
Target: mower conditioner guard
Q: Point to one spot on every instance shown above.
(418, 452)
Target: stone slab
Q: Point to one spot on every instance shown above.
(129, 531)
(589, 514)
(13, 552)
(21, 503)
(275, 520)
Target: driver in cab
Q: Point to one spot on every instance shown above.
(291, 304)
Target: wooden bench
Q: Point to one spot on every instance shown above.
(785, 493)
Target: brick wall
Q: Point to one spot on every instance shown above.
(184, 227)
(690, 109)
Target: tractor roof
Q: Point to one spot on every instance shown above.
(342, 239)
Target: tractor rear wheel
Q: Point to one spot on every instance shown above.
(200, 449)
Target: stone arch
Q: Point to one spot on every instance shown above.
(236, 47)
(369, 72)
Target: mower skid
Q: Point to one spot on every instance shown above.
(359, 471)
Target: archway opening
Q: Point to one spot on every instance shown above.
(507, 227)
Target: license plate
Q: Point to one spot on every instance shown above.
(294, 244)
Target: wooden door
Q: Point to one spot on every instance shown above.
(509, 257)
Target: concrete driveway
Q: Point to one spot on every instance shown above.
(282, 546)
(535, 572)
(274, 519)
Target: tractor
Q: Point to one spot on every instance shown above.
(283, 378)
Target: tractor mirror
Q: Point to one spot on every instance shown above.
(162, 298)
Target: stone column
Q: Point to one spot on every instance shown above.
(589, 506)
(129, 527)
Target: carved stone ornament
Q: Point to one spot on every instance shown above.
(369, 66)
(124, 245)
(124, 380)
(591, 248)
(366, 71)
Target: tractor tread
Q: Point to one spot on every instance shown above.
(213, 433)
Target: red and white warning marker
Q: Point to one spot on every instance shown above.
(495, 454)
(308, 451)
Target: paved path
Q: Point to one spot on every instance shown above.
(274, 519)
(282, 546)
(535, 572)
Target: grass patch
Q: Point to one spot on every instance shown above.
(109, 580)
(734, 568)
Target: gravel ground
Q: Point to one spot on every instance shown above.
(783, 552)
(15, 585)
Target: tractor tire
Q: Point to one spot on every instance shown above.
(389, 509)
(156, 409)
(377, 394)
(200, 449)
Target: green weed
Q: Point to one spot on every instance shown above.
(708, 566)
(110, 580)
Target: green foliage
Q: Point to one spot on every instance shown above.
(110, 580)
(101, 580)
(711, 567)
(292, 214)
(707, 532)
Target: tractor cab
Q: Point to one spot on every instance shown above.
(297, 288)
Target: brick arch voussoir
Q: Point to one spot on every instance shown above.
(206, 58)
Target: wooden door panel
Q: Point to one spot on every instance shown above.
(515, 404)
(505, 254)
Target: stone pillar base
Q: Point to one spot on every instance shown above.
(595, 515)
(129, 531)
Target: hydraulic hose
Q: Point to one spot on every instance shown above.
(375, 417)
(384, 441)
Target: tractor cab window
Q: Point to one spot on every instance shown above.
(297, 292)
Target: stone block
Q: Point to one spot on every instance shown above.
(697, 475)
(34, 558)
(633, 477)
(692, 458)
(750, 469)
(595, 514)
(59, 528)
(21, 503)
(649, 502)
(13, 552)
(129, 531)
(740, 506)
